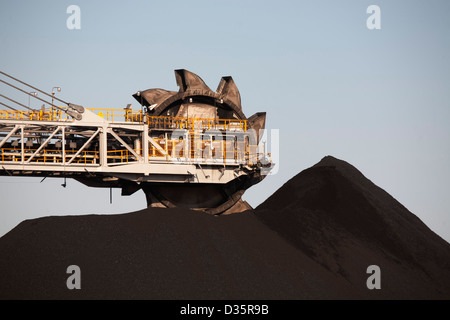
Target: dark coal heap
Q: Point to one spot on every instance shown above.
(344, 222)
(312, 239)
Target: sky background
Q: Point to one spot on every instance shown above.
(378, 99)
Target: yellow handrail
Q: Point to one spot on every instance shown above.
(163, 122)
(129, 115)
(37, 115)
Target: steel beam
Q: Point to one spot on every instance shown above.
(43, 144)
(84, 146)
(115, 135)
(9, 135)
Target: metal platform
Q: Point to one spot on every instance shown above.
(126, 144)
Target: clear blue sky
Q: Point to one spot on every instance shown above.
(378, 99)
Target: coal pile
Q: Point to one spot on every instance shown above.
(312, 239)
(159, 254)
(344, 222)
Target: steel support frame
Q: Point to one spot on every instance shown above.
(144, 168)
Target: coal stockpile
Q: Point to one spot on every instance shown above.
(344, 222)
(159, 254)
(312, 239)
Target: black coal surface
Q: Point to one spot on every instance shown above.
(312, 239)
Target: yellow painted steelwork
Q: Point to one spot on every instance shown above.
(134, 116)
